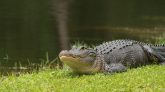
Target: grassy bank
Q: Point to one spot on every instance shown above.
(144, 79)
(148, 79)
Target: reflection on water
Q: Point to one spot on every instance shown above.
(97, 35)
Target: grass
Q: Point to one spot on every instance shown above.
(145, 79)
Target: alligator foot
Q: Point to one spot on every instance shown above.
(115, 67)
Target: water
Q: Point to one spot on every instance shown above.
(30, 29)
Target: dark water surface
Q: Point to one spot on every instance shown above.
(31, 28)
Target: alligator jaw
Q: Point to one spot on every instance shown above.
(66, 59)
(78, 66)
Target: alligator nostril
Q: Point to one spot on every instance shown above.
(63, 53)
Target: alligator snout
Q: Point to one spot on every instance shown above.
(64, 53)
(68, 54)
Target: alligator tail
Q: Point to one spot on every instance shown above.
(159, 52)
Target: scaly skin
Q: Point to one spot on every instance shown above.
(114, 56)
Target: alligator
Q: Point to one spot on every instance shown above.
(113, 56)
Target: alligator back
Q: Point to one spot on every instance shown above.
(128, 52)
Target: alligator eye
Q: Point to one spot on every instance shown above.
(83, 48)
(92, 54)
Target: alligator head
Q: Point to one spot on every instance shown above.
(79, 59)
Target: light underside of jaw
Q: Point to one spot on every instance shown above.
(77, 65)
(73, 62)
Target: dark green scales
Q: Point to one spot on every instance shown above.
(113, 56)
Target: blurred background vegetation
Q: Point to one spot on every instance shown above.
(31, 28)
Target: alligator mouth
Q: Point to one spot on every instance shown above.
(67, 57)
(79, 66)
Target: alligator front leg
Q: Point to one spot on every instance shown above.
(115, 67)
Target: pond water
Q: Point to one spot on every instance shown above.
(30, 29)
